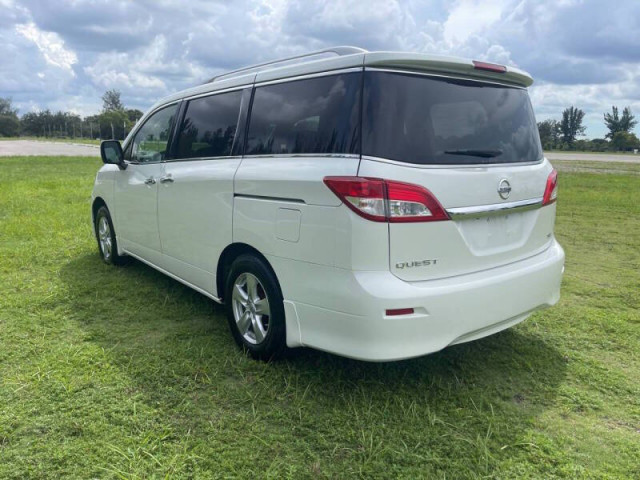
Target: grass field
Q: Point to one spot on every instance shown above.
(124, 373)
(611, 152)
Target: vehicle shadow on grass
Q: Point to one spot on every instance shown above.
(175, 346)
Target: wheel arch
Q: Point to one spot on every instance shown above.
(228, 255)
(97, 203)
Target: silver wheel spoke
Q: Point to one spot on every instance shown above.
(258, 329)
(103, 226)
(240, 295)
(252, 287)
(244, 322)
(262, 306)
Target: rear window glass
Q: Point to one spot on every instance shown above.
(316, 115)
(209, 126)
(430, 120)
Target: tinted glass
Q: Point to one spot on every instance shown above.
(209, 126)
(150, 143)
(317, 115)
(429, 120)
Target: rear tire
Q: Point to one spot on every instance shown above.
(255, 309)
(106, 237)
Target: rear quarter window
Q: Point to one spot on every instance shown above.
(435, 120)
(316, 115)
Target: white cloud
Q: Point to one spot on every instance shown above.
(469, 17)
(50, 45)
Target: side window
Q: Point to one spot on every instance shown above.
(150, 142)
(317, 115)
(209, 126)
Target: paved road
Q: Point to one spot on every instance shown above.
(30, 148)
(593, 157)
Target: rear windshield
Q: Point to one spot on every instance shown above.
(432, 120)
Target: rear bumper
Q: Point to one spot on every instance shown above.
(346, 314)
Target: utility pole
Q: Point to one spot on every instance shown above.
(124, 130)
(91, 130)
(113, 135)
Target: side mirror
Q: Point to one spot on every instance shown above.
(111, 153)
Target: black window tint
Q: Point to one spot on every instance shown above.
(429, 120)
(317, 115)
(151, 141)
(209, 126)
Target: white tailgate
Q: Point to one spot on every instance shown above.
(429, 250)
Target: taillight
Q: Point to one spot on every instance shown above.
(551, 190)
(386, 200)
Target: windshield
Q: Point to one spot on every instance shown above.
(434, 120)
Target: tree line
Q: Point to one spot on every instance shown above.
(563, 134)
(114, 121)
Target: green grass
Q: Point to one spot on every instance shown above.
(574, 166)
(610, 152)
(87, 141)
(124, 373)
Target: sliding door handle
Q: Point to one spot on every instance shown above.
(166, 179)
(150, 181)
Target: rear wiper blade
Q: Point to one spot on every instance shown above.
(475, 153)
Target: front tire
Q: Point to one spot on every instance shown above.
(255, 309)
(106, 237)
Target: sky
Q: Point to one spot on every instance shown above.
(65, 54)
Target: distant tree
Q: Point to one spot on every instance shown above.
(9, 126)
(9, 122)
(133, 114)
(92, 126)
(111, 101)
(114, 124)
(616, 123)
(549, 131)
(625, 141)
(6, 108)
(571, 125)
(599, 144)
(32, 123)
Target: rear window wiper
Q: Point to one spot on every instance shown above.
(475, 153)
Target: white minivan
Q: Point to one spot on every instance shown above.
(375, 205)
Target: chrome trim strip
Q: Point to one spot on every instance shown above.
(444, 165)
(200, 159)
(457, 76)
(269, 198)
(495, 209)
(216, 92)
(325, 73)
(303, 155)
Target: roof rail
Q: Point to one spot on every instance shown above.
(340, 51)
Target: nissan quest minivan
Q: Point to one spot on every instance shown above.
(375, 205)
